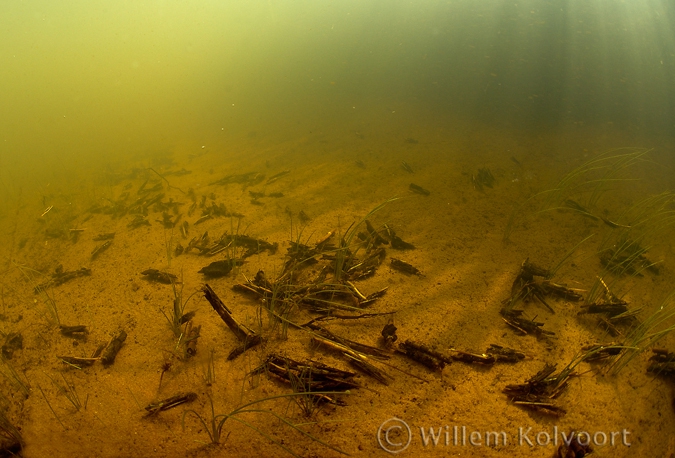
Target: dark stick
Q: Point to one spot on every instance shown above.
(113, 348)
(167, 181)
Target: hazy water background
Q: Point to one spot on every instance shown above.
(94, 82)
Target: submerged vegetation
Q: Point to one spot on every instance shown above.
(581, 189)
(624, 258)
(213, 425)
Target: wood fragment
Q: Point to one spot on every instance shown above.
(244, 334)
(113, 348)
(169, 403)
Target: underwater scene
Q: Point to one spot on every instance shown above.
(324, 229)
